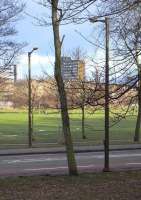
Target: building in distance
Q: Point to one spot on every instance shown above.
(72, 69)
(8, 73)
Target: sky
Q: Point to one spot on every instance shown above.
(42, 37)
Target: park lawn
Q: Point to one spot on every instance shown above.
(47, 128)
(100, 186)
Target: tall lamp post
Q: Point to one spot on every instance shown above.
(30, 128)
(106, 140)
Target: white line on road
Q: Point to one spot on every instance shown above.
(55, 168)
(133, 163)
(47, 168)
(119, 155)
(31, 160)
(50, 159)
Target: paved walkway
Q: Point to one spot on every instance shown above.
(78, 149)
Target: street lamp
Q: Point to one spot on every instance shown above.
(30, 128)
(106, 140)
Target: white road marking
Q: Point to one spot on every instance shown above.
(55, 168)
(119, 155)
(49, 168)
(50, 159)
(133, 163)
(32, 160)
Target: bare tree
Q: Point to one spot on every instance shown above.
(77, 89)
(63, 12)
(126, 30)
(61, 89)
(125, 50)
(9, 49)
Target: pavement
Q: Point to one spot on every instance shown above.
(57, 150)
(56, 164)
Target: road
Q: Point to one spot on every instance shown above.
(57, 164)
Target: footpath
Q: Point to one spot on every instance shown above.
(56, 150)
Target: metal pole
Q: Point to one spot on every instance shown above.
(29, 102)
(106, 141)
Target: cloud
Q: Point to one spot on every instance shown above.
(42, 63)
(39, 64)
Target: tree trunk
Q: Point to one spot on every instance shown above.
(83, 109)
(138, 122)
(32, 123)
(61, 90)
(83, 122)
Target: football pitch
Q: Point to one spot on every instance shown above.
(47, 128)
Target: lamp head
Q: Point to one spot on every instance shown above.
(93, 19)
(35, 48)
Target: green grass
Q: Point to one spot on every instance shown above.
(47, 128)
(100, 186)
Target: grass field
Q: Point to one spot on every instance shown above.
(102, 186)
(47, 128)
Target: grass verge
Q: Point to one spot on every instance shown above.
(47, 128)
(100, 186)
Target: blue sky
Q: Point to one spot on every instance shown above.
(42, 38)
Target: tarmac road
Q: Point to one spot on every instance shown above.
(52, 164)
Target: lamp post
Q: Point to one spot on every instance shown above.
(30, 128)
(106, 140)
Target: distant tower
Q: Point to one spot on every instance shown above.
(72, 69)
